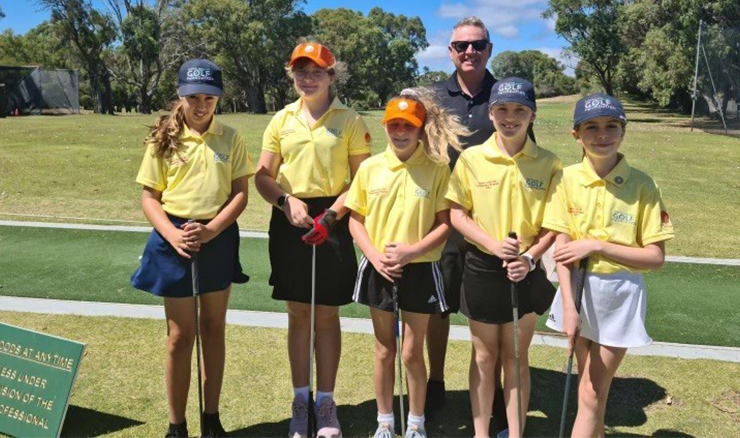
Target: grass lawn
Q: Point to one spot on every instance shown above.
(120, 392)
(84, 166)
(693, 304)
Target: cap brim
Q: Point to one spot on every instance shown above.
(515, 99)
(316, 60)
(598, 114)
(407, 117)
(192, 89)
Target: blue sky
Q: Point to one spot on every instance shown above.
(514, 25)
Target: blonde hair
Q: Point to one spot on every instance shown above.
(441, 129)
(165, 134)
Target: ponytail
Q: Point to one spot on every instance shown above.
(442, 129)
(165, 134)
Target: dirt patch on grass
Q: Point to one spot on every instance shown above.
(729, 403)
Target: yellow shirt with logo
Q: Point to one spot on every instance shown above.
(195, 180)
(400, 199)
(625, 208)
(504, 193)
(316, 161)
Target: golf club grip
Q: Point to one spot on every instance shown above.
(514, 295)
(580, 283)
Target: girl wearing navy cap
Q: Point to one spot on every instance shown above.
(612, 213)
(194, 168)
(497, 188)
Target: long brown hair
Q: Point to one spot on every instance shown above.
(165, 134)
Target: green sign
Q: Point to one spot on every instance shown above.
(37, 372)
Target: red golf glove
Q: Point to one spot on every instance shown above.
(322, 225)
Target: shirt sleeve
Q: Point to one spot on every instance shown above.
(153, 170)
(655, 223)
(441, 201)
(556, 210)
(356, 199)
(241, 163)
(271, 137)
(358, 137)
(458, 189)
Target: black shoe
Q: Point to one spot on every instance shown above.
(436, 396)
(211, 427)
(498, 416)
(177, 430)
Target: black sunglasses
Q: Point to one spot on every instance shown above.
(462, 46)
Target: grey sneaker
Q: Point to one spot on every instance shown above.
(384, 431)
(326, 420)
(415, 432)
(299, 422)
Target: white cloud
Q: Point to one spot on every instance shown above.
(502, 17)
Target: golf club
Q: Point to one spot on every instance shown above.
(515, 313)
(578, 290)
(196, 293)
(399, 350)
(311, 432)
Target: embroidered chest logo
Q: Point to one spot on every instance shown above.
(378, 191)
(575, 211)
(221, 158)
(487, 184)
(421, 193)
(535, 184)
(623, 218)
(286, 132)
(335, 132)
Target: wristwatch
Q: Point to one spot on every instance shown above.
(530, 260)
(282, 199)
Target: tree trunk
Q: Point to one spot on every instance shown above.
(256, 99)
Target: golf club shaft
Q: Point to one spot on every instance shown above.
(311, 418)
(515, 315)
(196, 299)
(578, 299)
(399, 352)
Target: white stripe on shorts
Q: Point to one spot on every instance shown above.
(358, 283)
(439, 285)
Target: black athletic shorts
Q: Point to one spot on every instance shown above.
(291, 259)
(453, 264)
(486, 293)
(420, 289)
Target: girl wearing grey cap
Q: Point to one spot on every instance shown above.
(498, 188)
(194, 176)
(610, 216)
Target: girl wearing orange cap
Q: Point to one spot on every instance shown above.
(400, 220)
(310, 150)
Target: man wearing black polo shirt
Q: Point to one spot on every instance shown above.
(466, 95)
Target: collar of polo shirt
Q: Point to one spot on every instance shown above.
(215, 128)
(394, 163)
(492, 151)
(453, 83)
(618, 176)
(296, 106)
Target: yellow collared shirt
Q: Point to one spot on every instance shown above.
(625, 208)
(504, 193)
(316, 161)
(400, 199)
(195, 180)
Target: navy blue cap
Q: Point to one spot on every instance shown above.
(598, 105)
(516, 90)
(199, 76)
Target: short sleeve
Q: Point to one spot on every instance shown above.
(356, 199)
(271, 137)
(241, 163)
(358, 137)
(441, 202)
(655, 223)
(458, 189)
(153, 170)
(556, 211)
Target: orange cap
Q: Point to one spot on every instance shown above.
(316, 52)
(406, 109)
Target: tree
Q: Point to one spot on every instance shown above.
(592, 29)
(42, 45)
(91, 33)
(431, 77)
(545, 72)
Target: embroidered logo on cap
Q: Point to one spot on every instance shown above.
(510, 88)
(309, 48)
(403, 105)
(199, 74)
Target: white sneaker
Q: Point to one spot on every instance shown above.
(415, 432)
(327, 422)
(384, 431)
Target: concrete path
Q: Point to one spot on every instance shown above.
(263, 235)
(351, 325)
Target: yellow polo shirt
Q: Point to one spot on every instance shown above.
(625, 208)
(400, 199)
(195, 181)
(504, 193)
(316, 161)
